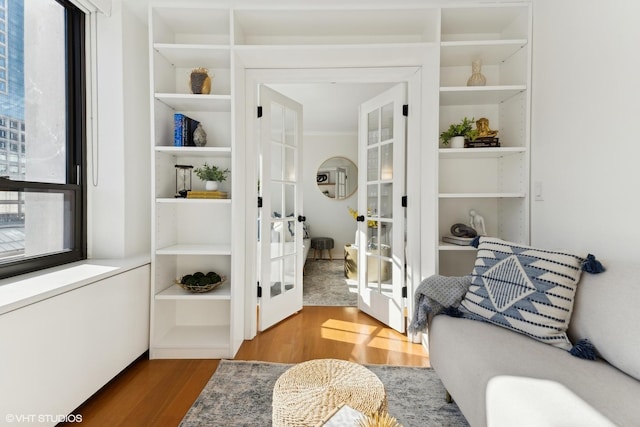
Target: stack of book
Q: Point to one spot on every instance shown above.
(184, 127)
(460, 241)
(207, 195)
(482, 141)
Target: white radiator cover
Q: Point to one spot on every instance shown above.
(58, 352)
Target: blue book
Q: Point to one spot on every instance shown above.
(178, 121)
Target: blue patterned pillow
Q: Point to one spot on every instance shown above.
(524, 289)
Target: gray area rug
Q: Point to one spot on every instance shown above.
(324, 284)
(239, 394)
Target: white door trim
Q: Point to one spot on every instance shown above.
(415, 134)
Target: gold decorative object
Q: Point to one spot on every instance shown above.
(476, 79)
(379, 420)
(200, 81)
(482, 125)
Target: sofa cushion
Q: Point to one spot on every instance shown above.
(605, 314)
(525, 289)
(467, 354)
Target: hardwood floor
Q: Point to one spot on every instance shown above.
(160, 392)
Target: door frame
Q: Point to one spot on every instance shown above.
(420, 124)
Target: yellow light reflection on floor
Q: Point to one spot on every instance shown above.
(380, 337)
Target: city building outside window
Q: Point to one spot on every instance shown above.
(42, 100)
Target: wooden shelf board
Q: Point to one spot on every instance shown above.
(479, 153)
(478, 95)
(184, 249)
(175, 292)
(192, 102)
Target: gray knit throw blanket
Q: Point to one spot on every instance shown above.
(433, 295)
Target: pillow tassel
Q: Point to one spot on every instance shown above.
(592, 265)
(475, 242)
(584, 350)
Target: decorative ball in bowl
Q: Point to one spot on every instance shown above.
(199, 282)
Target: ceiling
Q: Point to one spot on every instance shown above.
(330, 108)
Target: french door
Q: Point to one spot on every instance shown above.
(280, 218)
(381, 221)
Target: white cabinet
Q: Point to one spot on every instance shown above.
(190, 235)
(493, 181)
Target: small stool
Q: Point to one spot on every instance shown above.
(321, 243)
(309, 392)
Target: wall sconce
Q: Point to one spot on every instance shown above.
(183, 185)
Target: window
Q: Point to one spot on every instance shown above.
(42, 198)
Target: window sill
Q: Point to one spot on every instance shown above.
(20, 291)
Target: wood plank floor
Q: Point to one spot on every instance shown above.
(160, 392)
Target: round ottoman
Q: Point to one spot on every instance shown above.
(320, 244)
(308, 392)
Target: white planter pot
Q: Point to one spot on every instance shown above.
(211, 185)
(457, 142)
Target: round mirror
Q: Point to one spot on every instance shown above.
(337, 178)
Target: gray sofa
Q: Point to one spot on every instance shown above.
(499, 377)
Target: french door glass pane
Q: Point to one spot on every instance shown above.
(290, 127)
(373, 127)
(276, 200)
(290, 273)
(276, 161)
(386, 162)
(372, 164)
(289, 164)
(386, 200)
(386, 131)
(276, 278)
(277, 116)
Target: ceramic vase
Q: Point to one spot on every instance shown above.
(476, 79)
(457, 142)
(200, 81)
(211, 185)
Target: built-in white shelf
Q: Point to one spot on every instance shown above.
(459, 53)
(175, 292)
(478, 95)
(195, 102)
(480, 153)
(345, 55)
(191, 55)
(481, 195)
(185, 201)
(195, 250)
(451, 247)
(190, 337)
(195, 151)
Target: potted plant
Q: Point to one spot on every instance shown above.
(458, 132)
(212, 175)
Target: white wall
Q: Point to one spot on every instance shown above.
(585, 144)
(119, 184)
(328, 217)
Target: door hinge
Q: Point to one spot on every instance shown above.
(404, 201)
(259, 290)
(259, 111)
(404, 292)
(259, 201)
(405, 110)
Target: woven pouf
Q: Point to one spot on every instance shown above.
(308, 392)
